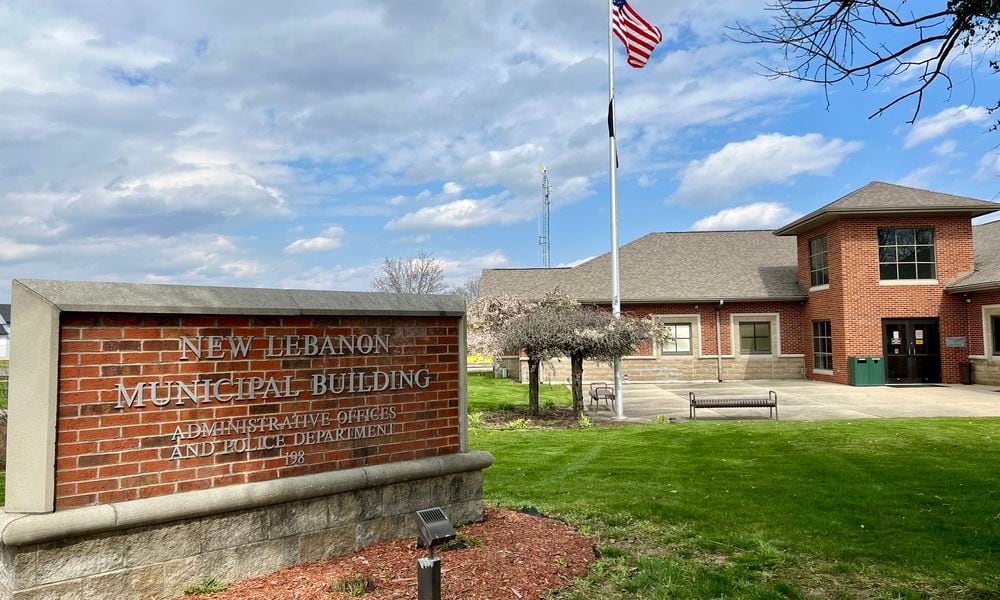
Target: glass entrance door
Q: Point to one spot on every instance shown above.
(912, 351)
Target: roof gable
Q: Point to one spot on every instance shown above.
(879, 197)
(986, 273)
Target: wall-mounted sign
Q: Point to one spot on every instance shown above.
(955, 342)
(918, 333)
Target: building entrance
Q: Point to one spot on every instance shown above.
(912, 350)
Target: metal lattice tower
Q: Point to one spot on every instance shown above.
(543, 236)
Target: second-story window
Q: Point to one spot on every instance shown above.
(906, 253)
(819, 268)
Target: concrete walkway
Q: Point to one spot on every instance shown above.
(809, 401)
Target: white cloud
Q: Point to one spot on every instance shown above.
(413, 240)
(11, 250)
(461, 214)
(921, 177)
(943, 122)
(458, 270)
(989, 166)
(768, 158)
(337, 278)
(945, 149)
(451, 188)
(645, 181)
(331, 239)
(759, 215)
(574, 263)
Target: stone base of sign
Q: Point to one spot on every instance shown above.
(155, 548)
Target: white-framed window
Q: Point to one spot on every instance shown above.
(906, 253)
(678, 340)
(819, 265)
(822, 346)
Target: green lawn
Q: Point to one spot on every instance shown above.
(489, 394)
(3, 385)
(834, 509)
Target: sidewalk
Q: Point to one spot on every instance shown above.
(810, 400)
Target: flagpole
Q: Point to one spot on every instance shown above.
(616, 306)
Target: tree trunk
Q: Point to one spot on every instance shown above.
(533, 372)
(576, 362)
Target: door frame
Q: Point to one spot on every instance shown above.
(911, 356)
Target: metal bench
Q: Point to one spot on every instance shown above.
(770, 402)
(600, 390)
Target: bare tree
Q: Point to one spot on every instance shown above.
(469, 289)
(421, 275)
(869, 41)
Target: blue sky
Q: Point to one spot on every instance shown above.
(298, 144)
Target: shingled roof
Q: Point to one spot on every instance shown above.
(879, 198)
(986, 275)
(670, 267)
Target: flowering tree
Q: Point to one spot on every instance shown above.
(590, 333)
(556, 326)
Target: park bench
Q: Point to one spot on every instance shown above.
(600, 390)
(770, 402)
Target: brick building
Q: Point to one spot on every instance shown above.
(887, 271)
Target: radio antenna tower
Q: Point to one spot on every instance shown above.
(543, 236)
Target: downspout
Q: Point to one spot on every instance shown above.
(718, 340)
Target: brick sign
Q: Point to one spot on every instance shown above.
(150, 405)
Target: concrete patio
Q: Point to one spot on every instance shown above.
(808, 401)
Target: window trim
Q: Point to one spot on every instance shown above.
(916, 279)
(995, 326)
(778, 347)
(989, 350)
(692, 319)
(824, 270)
(690, 339)
(828, 367)
(755, 337)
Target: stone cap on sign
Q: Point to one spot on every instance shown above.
(20, 529)
(94, 296)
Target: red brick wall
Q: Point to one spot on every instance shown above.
(791, 314)
(975, 317)
(856, 303)
(104, 454)
(825, 305)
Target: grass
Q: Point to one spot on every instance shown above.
(878, 509)
(487, 394)
(208, 585)
(354, 586)
(3, 385)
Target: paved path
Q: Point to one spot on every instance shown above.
(811, 400)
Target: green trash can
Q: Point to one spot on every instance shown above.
(876, 370)
(858, 372)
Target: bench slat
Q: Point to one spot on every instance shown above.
(770, 402)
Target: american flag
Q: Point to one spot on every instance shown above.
(635, 32)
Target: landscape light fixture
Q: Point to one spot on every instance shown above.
(434, 529)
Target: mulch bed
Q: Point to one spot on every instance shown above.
(521, 557)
